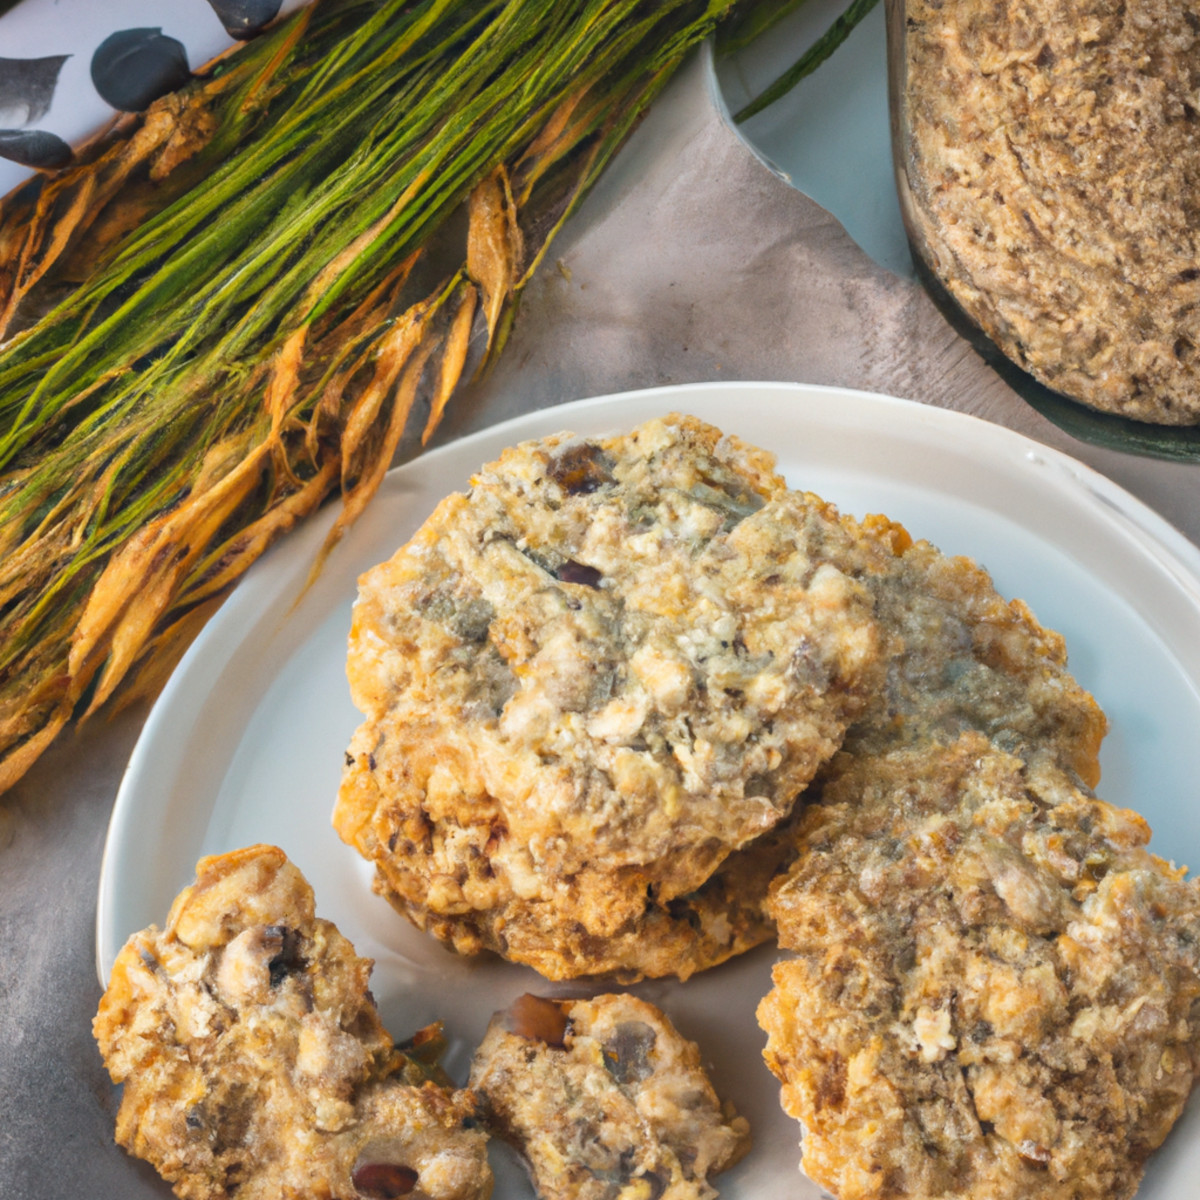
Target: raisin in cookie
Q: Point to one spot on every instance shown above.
(603, 1098)
(589, 680)
(994, 987)
(253, 1060)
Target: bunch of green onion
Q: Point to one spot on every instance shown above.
(233, 305)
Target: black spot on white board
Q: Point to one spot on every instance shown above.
(134, 67)
(27, 88)
(34, 148)
(244, 18)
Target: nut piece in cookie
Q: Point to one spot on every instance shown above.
(253, 1059)
(603, 1098)
(994, 989)
(589, 680)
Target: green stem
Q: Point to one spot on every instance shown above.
(808, 62)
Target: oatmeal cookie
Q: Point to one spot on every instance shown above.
(254, 1062)
(1054, 169)
(602, 1098)
(589, 680)
(994, 987)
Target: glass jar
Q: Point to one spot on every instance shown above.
(1063, 245)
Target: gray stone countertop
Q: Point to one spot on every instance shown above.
(690, 261)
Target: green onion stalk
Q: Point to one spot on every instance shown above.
(235, 304)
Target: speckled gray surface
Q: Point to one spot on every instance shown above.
(690, 262)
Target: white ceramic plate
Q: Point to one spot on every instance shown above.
(246, 742)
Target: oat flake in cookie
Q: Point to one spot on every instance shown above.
(586, 682)
(993, 988)
(253, 1060)
(1053, 157)
(605, 1100)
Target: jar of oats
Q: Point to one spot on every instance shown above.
(1048, 163)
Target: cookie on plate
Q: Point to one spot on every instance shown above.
(960, 657)
(254, 1062)
(994, 987)
(604, 1098)
(590, 679)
